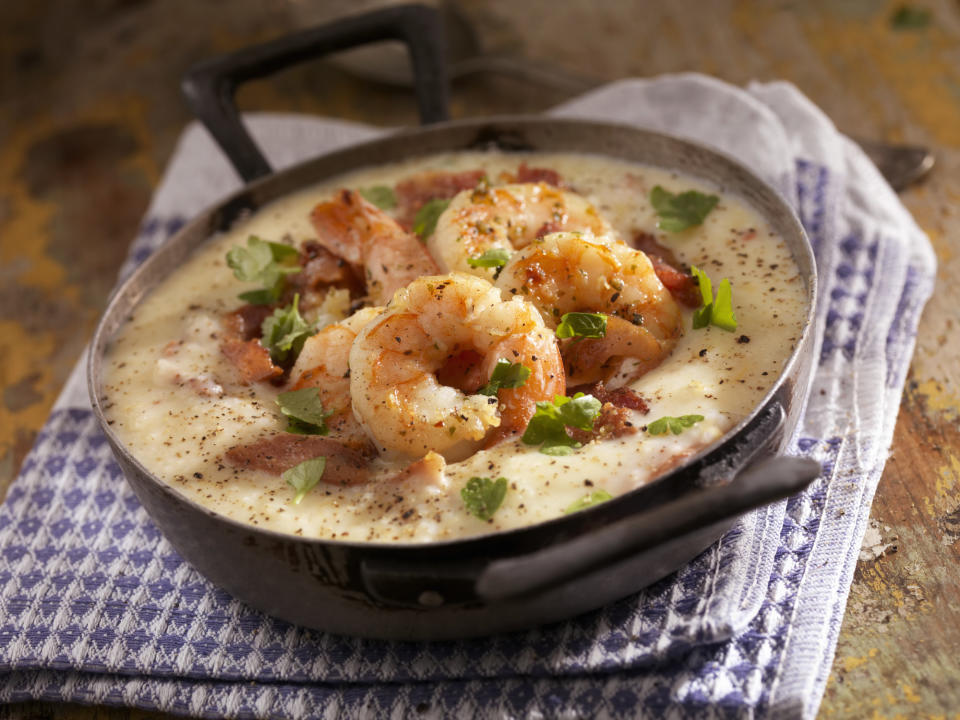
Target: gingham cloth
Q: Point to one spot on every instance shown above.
(96, 607)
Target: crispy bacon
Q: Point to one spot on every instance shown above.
(245, 321)
(279, 453)
(612, 422)
(322, 269)
(251, 359)
(416, 191)
(623, 397)
(666, 265)
(527, 174)
(428, 470)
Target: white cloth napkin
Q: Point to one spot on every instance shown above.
(96, 607)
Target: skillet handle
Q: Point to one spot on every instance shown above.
(210, 86)
(758, 485)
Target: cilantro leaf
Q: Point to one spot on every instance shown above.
(589, 500)
(701, 316)
(681, 211)
(908, 17)
(492, 258)
(381, 196)
(304, 411)
(579, 324)
(719, 312)
(676, 425)
(425, 221)
(304, 476)
(548, 426)
(505, 375)
(285, 331)
(263, 262)
(723, 307)
(483, 496)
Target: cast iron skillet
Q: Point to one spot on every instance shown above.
(505, 580)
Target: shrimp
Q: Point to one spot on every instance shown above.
(509, 217)
(324, 364)
(574, 272)
(449, 329)
(372, 243)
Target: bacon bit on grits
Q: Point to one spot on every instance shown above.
(251, 360)
(416, 191)
(666, 265)
(279, 453)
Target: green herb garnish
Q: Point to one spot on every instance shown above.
(263, 262)
(589, 500)
(681, 211)
(717, 312)
(908, 17)
(505, 375)
(579, 324)
(381, 196)
(676, 425)
(492, 258)
(483, 496)
(549, 423)
(304, 411)
(285, 331)
(425, 221)
(304, 476)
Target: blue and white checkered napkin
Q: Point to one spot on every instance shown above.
(96, 607)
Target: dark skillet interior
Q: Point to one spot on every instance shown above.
(180, 517)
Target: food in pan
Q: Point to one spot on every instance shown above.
(455, 345)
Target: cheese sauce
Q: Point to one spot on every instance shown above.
(173, 399)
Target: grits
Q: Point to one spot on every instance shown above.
(173, 399)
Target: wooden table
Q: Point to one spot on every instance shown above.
(90, 110)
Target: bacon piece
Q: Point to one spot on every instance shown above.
(623, 397)
(428, 470)
(527, 174)
(251, 360)
(612, 422)
(245, 321)
(665, 264)
(549, 227)
(322, 269)
(279, 453)
(416, 191)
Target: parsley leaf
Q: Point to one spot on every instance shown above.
(681, 211)
(908, 17)
(263, 262)
(723, 307)
(549, 423)
(717, 312)
(505, 375)
(381, 196)
(676, 425)
(285, 331)
(304, 411)
(579, 324)
(425, 221)
(304, 476)
(483, 496)
(588, 500)
(492, 258)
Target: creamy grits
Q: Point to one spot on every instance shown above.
(177, 404)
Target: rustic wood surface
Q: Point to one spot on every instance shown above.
(89, 113)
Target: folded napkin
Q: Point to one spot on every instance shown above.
(96, 607)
